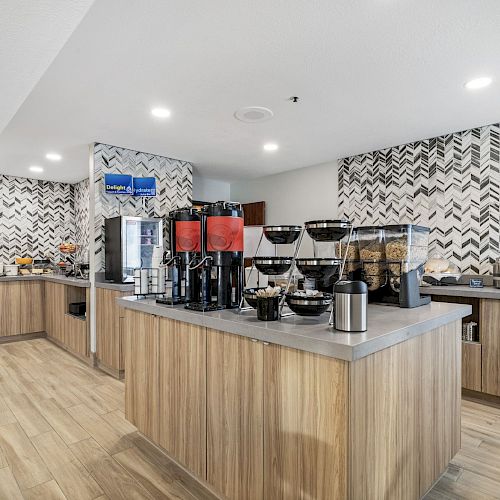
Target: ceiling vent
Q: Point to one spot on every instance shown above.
(253, 114)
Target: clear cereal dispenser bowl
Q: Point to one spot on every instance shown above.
(371, 243)
(408, 244)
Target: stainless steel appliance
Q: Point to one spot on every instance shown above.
(496, 273)
(129, 244)
(351, 303)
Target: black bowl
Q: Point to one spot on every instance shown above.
(282, 235)
(272, 265)
(328, 230)
(309, 306)
(250, 295)
(319, 269)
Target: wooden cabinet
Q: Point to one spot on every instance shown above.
(490, 340)
(266, 424)
(305, 425)
(480, 360)
(21, 306)
(10, 308)
(32, 298)
(55, 303)
(76, 338)
(254, 213)
(71, 333)
(235, 415)
(261, 421)
(141, 365)
(471, 366)
(109, 333)
(183, 393)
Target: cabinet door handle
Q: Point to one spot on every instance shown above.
(254, 340)
(265, 343)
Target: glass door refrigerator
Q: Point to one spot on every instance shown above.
(129, 243)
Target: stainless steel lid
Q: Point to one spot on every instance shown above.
(282, 228)
(272, 260)
(351, 287)
(318, 262)
(322, 224)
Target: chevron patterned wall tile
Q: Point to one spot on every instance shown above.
(449, 183)
(81, 200)
(174, 186)
(35, 217)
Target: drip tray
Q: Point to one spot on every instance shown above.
(169, 301)
(199, 306)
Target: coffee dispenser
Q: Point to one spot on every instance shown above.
(185, 248)
(221, 256)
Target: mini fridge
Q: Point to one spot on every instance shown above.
(129, 243)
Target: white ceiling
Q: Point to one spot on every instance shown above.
(369, 73)
(32, 32)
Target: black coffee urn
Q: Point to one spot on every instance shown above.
(185, 250)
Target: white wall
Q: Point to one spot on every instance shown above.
(294, 197)
(209, 189)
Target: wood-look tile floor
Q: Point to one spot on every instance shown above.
(63, 435)
(474, 473)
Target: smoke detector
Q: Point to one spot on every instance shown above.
(253, 114)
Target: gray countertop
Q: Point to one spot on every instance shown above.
(55, 278)
(119, 287)
(488, 292)
(387, 326)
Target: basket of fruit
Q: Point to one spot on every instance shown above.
(68, 247)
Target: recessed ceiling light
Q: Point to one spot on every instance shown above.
(36, 168)
(271, 146)
(53, 156)
(478, 83)
(160, 112)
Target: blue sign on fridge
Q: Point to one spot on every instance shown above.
(144, 186)
(118, 184)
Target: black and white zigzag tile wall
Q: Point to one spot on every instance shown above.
(449, 183)
(174, 186)
(35, 217)
(81, 200)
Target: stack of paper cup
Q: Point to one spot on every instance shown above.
(157, 257)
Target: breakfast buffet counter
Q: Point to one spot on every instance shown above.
(51, 305)
(54, 278)
(245, 404)
(387, 326)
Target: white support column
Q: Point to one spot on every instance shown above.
(92, 270)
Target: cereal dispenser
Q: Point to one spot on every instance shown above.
(406, 251)
(392, 259)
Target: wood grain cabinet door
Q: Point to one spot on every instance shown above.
(489, 322)
(471, 366)
(183, 386)
(235, 415)
(76, 334)
(108, 331)
(55, 309)
(305, 425)
(10, 308)
(32, 298)
(141, 365)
